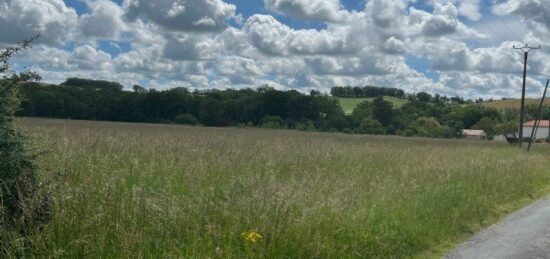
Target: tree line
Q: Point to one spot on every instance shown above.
(422, 115)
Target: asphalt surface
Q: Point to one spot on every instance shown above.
(523, 234)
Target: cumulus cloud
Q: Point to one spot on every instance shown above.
(191, 43)
(190, 47)
(442, 22)
(182, 15)
(310, 10)
(104, 20)
(274, 38)
(21, 19)
(535, 13)
(87, 57)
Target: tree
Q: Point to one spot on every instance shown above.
(17, 171)
(139, 89)
(488, 125)
(383, 111)
(507, 128)
(426, 127)
(371, 126)
(424, 97)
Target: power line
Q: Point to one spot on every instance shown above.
(487, 25)
(507, 27)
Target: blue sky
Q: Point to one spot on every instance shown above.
(455, 47)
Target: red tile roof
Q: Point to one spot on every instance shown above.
(542, 124)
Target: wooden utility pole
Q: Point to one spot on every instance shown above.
(539, 117)
(525, 49)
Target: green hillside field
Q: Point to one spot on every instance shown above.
(349, 104)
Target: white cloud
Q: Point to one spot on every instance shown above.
(104, 21)
(87, 57)
(274, 38)
(310, 10)
(470, 9)
(22, 19)
(182, 15)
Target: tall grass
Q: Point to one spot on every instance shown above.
(142, 191)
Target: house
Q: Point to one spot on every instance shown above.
(543, 131)
(474, 134)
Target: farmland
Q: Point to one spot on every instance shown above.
(514, 103)
(124, 190)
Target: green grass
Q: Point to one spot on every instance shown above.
(349, 104)
(161, 191)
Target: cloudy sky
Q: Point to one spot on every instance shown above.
(452, 47)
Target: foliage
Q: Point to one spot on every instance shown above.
(488, 125)
(19, 209)
(383, 111)
(94, 84)
(366, 92)
(186, 119)
(100, 100)
(272, 122)
(371, 126)
(426, 127)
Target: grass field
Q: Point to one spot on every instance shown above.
(161, 191)
(349, 104)
(514, 103)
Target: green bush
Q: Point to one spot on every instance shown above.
(347, 131)
(305, 126)
(371, 126)
(272, 122)
(21, 209)
(186, 119)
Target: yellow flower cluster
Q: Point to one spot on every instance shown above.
(252, 236)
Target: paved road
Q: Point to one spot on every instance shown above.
(524, 234)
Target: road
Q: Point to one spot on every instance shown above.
(523, 234)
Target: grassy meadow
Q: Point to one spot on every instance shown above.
(161, 191)
(349, 104)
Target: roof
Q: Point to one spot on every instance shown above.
(542, 124)
(472, 132)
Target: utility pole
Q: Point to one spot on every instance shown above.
(539, 117)
(525, 49)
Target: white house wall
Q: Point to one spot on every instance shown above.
(542, 133)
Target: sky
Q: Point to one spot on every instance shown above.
(449, 47)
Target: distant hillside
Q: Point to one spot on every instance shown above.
(349, 104)
(514, 103)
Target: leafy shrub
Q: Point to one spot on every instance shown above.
(21, 208)
(371, 126)
(347, 131)
(305, 126)
(186, 119)
(272, 122)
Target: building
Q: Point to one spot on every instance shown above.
(542, 133)
(474, 134)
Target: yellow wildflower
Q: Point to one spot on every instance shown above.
(252, 236)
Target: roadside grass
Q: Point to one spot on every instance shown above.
(349, 104)
(150, 191)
